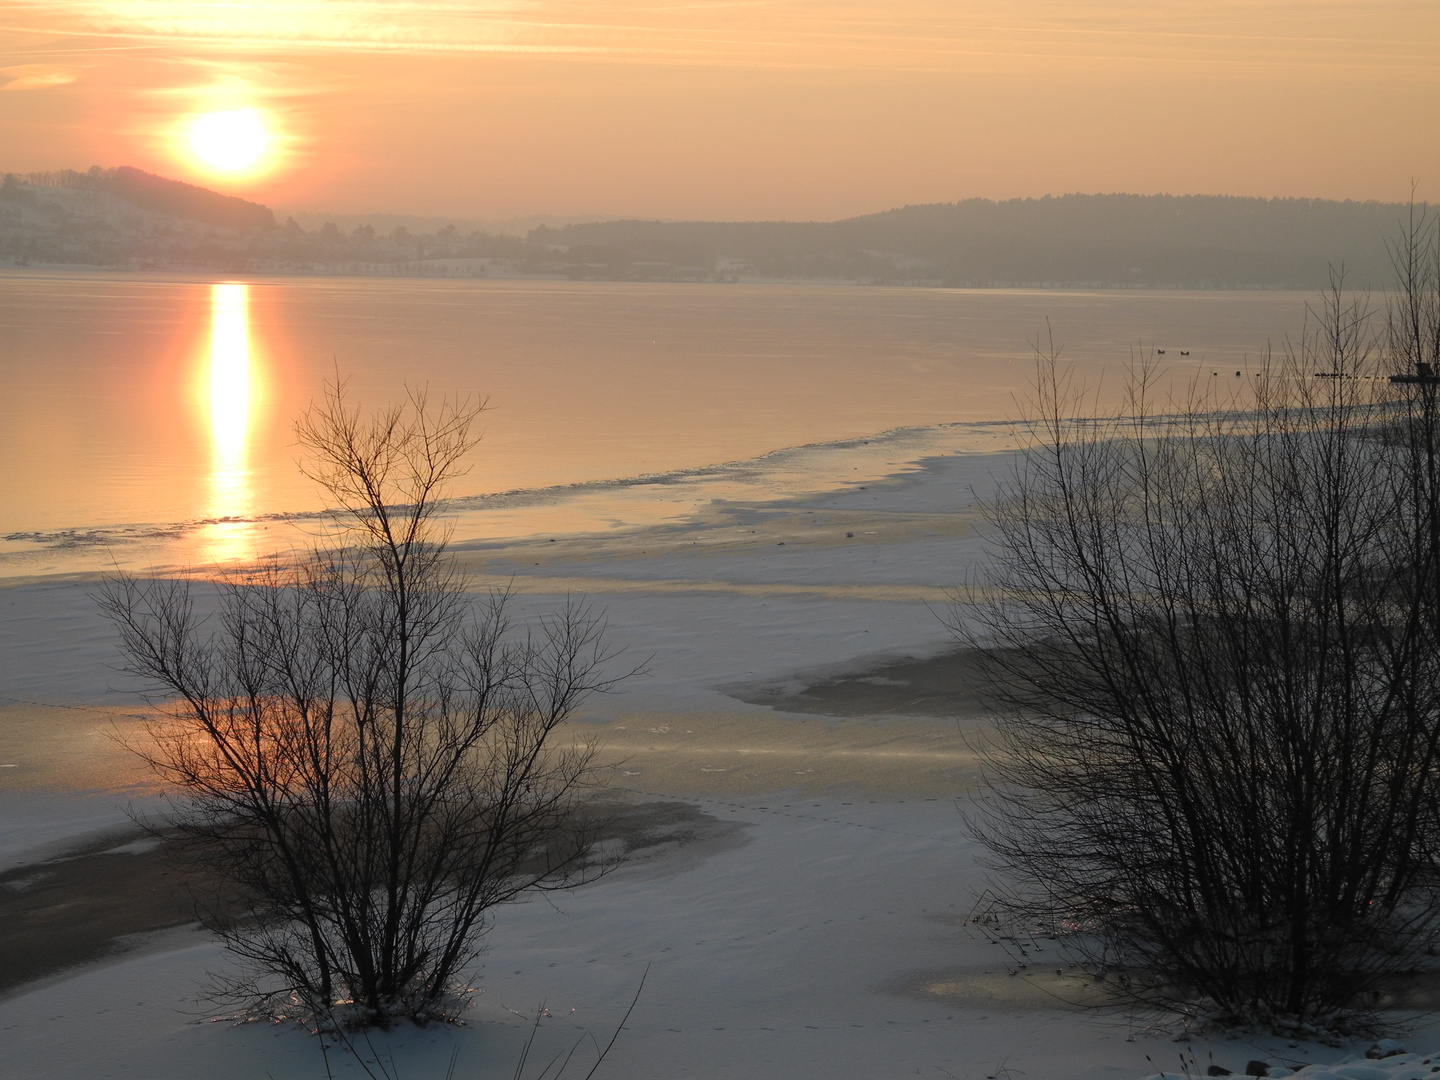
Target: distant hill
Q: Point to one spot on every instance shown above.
(1099, 240)
(173, 197)
(128, 217)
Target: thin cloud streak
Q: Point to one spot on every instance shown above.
(35, 77)
(909, 35)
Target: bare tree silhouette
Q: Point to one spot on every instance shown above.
(364, 749)
(1216, 640)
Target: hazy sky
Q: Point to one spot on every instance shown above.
(733, 108)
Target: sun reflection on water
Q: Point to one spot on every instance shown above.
(228, 536)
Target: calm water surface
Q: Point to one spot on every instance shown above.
(143, 399)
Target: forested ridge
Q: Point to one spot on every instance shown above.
(132, 219)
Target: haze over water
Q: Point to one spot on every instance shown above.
(161, 400)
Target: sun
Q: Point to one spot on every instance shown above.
(232, 141)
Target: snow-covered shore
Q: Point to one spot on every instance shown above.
(807, 923)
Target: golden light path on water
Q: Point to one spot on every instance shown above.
(231, 496)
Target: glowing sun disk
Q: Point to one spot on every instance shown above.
(230, 141)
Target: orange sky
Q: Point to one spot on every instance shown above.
(726, 109)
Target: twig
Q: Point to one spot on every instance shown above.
(628, 1011)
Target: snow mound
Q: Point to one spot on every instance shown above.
(1385, 1060)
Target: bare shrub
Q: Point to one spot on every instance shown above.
(360, 746)
(1215, 635)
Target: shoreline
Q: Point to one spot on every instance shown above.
(590, 511)
(334, 272)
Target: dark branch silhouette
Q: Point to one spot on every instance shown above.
(359, 745)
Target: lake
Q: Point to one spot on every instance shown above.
(138, 402)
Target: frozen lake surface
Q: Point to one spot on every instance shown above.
(160, 408)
